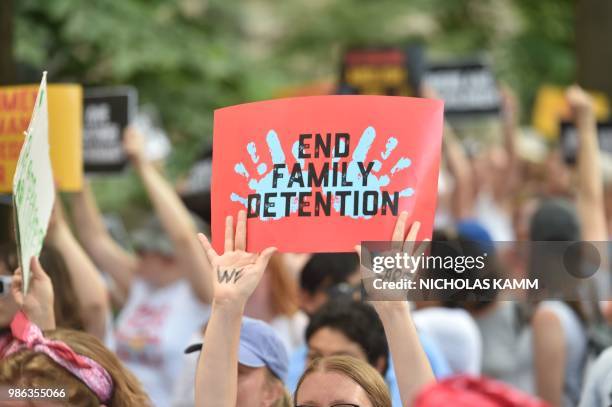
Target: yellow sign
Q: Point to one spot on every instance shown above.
(551, 108)
(65, 104)
(371, 71)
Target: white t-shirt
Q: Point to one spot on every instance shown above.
(497, 221)
(153, 330)
(291, 330)
(507, 351)
(456, 335)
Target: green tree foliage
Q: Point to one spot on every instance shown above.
(188, 57)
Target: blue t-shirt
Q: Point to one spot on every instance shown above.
(439, 365)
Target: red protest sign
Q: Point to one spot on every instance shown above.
(323, 173)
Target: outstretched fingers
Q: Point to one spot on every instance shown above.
(208, 249)
(365, 262)
(400, 227)
(229, 234)
(264, 257)
(240, 241)
(422, 248)
(412, 236)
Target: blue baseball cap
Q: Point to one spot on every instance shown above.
(471, 229)
(259, 346)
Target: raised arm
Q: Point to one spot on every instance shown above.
(550, 354)
(507, 174)
(237, 273)
(98, 243)
(590, 194)
(412, 368)
(175, 218)
(90, 288)
(459, 166)
(462, 200)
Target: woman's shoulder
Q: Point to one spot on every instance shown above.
(566, 315)
(552, 314)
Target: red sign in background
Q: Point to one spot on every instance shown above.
(300, 164)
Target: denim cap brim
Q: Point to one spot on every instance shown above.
(246, 355)
(260, 339)
(259, 346)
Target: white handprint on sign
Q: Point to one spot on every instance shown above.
(265, 184)
(373, 183)
(355, 188)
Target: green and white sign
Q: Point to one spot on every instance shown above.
(33, 187)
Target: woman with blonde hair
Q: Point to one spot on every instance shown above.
(347, 374)
(217, 374)
(75, 363)
(75, 366)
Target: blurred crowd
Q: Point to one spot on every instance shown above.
(164, 324)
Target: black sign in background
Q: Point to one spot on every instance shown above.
(467, 88)
(391, 71)
(106, 113)
(569, 140)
